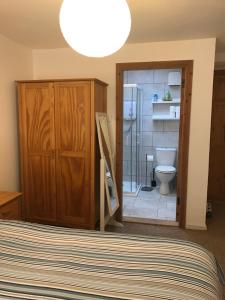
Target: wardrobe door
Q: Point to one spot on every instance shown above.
(72, 103)
(37, 143)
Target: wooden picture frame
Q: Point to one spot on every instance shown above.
(107, 157)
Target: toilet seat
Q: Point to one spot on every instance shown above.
(165, 169)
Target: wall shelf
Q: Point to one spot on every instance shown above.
(174, 78)
(164, 118)
(174, 101)
(165, 115)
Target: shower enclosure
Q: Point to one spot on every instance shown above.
(131, 138)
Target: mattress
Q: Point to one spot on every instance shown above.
(46, 262)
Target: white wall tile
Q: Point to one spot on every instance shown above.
(159, 89)
(161, 76)
(125, 164)
(168, 139)
(171, 125)
(147, 108)
(149, 89)
(146, 90)
(144, 151)
(143, 168)
(131, 170)
(150, 125)
(127, 154)
(140, 76)
(157, 126)
(159, 139)
(161, 109)
(147, 123)
(175, 91)
(129, 137)
(153, 133)
(146, 139)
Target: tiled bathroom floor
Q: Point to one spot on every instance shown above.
(150, 205)
(129, 187)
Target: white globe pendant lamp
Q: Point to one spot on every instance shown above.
(95, 28)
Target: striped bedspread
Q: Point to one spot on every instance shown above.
(44, 262)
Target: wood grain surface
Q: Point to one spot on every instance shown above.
(59, 150)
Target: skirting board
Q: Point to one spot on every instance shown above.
(193, 227)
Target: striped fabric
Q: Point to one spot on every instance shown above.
(46, 262)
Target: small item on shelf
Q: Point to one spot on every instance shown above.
(167, 96)
(177, 112)
(173, 111)
(155, 97)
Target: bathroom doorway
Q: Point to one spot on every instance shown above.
(153, 115)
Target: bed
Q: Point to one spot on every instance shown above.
(46, 262)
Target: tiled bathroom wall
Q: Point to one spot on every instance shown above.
(154, 133)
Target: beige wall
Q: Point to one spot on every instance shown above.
(15, 63)
(220, 61)
(65, 63)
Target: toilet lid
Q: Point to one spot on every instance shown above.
(165, 169)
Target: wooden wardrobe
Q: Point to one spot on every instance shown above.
(59, 150)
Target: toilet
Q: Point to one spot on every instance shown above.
(165, 170)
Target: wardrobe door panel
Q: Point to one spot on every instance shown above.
(41, 202)
(74, 191)
(37, 141)
(72, 100)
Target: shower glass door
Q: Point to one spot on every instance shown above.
(131, 139)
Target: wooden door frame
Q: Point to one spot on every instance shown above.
(186, 92)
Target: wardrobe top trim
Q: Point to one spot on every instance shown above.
(64, 80)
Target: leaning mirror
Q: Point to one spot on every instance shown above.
(107, 156)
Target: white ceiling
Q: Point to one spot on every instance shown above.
(34, 23)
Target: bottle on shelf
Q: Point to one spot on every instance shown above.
(168, 96)
(155, 97)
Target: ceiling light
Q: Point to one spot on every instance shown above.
(95, 28)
